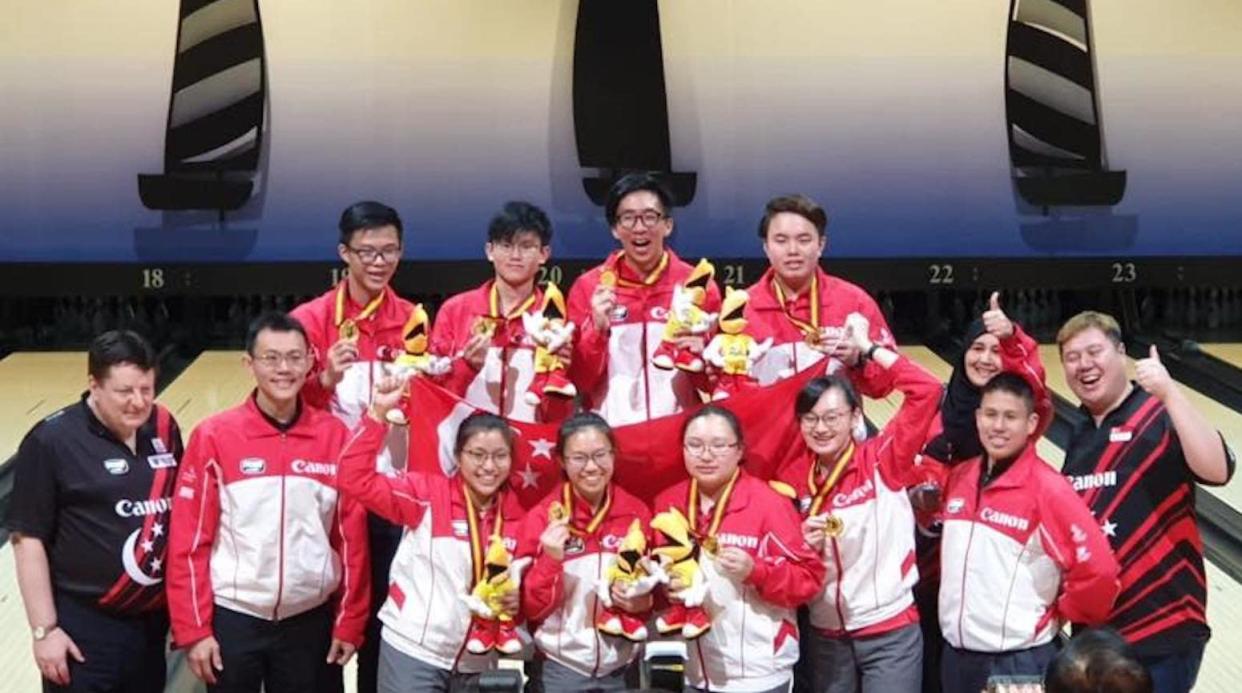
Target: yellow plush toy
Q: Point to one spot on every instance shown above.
(549, 329)
(686, 316)
(678, 555)
(630, 572)
(732, 351)
(415, 359)
(491, 627)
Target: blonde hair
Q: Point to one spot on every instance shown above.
(1086, 320)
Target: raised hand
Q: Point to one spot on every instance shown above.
(386, 395)
(1153, 376)
(995, 322)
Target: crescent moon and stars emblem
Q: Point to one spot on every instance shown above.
(131, 564)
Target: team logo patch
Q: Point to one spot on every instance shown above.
(1120, 435)
(659, 313)
(460, 528)
(116, 467)
(253, 465)
(162, 461)
(158, 445)
(575, 545)
(611, 542)
(955, 505)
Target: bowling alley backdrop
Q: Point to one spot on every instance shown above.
(158, 133)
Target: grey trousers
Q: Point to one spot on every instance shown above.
(558, 678)
(890, 662)
(783, 688)
(398, 672)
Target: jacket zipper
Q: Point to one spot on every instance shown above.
(836, 556)
(504, 376)
(643, 353)
(599, 570)
(280, 552)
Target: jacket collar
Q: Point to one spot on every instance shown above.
(259, 425)
(1018, 472)
(762, 297)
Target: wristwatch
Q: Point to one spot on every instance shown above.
(869, 354)
(41, 632)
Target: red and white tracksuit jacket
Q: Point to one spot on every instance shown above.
(509, 366)
(871, 565)
(1018, 557)
(258, 526)
(559, 598)
(379, 343)
(424, 616)
(766, 317)
(613, 370)
(753, 641)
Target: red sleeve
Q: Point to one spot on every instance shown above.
(903, 436)
(590, 358)
(192, 532)
(788, 573)
(1072, 538)
(543, 585)
(314, 393)
(873, 380)
(1020, 354)
(349, 538)
(401, 500)
(446, 342)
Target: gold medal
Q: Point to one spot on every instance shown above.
(812, 337)
(557, 512)
(608, 278)
(833, 526)
(348, 331)
(485, 326)
(710, 545)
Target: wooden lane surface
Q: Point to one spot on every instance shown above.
(1231, 353)
(215, 381)
(33, 385)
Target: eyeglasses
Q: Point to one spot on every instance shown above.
(829, 418)
(480, 456)
(527, 249)
(272, 359)
(717, 448)
(369, 255)
(649, 218)
(601, 458)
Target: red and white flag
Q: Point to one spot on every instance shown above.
(649, 454)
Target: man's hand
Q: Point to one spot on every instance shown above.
(52, 655)
(813, 531)
(336, 361)
(475, 350)
(603, 301)
(386, 395)
(553, 539)
(995, 322)
(204, 659)
(1153, 376)
(340, 652)
(634, 605)
(735, 563)
(511, 602)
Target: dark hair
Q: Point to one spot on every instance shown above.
(583, 421)
(810, 393)
(632, 183)
(481, 422)
(1014, 384)
(801, 205)
(1097, 660)
(115, 347)
(367, 215)
(273, 321)
(715, 410)
(518, 217)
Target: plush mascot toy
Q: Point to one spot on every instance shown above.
(732, 351)
(678, 558)
(492, 628)
(631, 573)
(686, 316)
(550, 329)
(416, 359)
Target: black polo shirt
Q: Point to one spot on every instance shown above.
(1133, 475)
(100, 510)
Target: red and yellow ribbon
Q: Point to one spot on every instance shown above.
(809, 329)
(476, 542)
(692, 511)
(567, 496)
(820, 494)
(366, 312)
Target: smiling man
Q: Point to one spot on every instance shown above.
(268, 582)
(1135, 460)
(89, 513)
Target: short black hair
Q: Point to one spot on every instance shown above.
(718, 411)
(1097, 660)
(810, 393)
(1014, 384)
(116, 347)
(634, 182)
(481, 422)
(579, 422)
(367, 215)
(274, 321)
(798, 204)
(518, 216)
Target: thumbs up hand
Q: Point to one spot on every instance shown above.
(995, 322)
(1153, 376)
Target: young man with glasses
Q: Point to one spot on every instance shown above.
(621, 306)
(355, 330)
(267, 568)
(481, 329)
(89, 513)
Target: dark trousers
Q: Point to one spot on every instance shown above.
(384, 538)
(965, 671)
(1177, 672)
(286, 656)
(123, 654)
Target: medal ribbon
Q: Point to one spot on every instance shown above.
(821, 494)
(810, 329)
(692, 506)
(493, 304)
(476, 542)
(651, 277)
(366, 312)
(567, 495)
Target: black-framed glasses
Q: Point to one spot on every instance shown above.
(510, 248)
(480, 456)
(829, 418)
(649, 218)
(716, 447)
(601, 458)
(369, 255)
